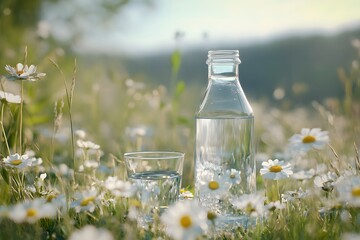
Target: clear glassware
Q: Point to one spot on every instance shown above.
(157, 176)
(224, 151)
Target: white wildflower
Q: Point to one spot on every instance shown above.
(185, 220)
(276, 169)
(36, 161)
(215, 186)
(309, 139)
(326, 181)
(290, 196)
(119, 188)
(349, 190)
(9, 97)
(272, 206)
(233, 176)
(17, 161)
(81, 134)
(90, 232)
(32, 211)
(304, 174)
(23, 72)
(85, 201)
(87, 145)
(250, 204)
(184, 194)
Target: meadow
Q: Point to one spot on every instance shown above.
(64, 133)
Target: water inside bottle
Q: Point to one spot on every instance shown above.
(225, 166)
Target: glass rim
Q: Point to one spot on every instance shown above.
(231, 52)
(154, 155)
(223, 56)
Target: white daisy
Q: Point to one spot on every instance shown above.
(272, 206)
(40, 180)
(349, 191)
(90, 232)
(89, 164)
(329, 206)
(36, 161)
(85, 201)
(87, 145)
(32, 211)
(215, 186)
(23, 72)
(290, 196)
(303, 174)
(276, 169)
(185, 194)
(233, 176)
(81, 134)
(326, 181)
(120, 188)
(30, 153)
(9, 97)
(185, 220)
(308, 139)
(17, 161)
(56, 199)
(250, 204)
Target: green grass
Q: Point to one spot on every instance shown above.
(108, 107)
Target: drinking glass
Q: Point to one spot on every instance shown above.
(157, 176)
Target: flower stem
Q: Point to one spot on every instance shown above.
(2, 128)
(21, 117)
(278, 190)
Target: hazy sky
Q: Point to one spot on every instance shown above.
(140, 28)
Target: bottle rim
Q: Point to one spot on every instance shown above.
(223, 56)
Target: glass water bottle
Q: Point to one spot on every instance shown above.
(224, 151)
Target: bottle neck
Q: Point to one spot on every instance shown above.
(223, 72)
(223, 65)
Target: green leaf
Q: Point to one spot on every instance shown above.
(180, 88)
(175, 61)
(184, 121)
(5, 175)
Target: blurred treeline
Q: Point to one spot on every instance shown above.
(303, 68)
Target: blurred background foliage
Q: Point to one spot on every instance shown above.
(133, 102)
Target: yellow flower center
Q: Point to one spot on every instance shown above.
(19, 72)
(16, 162)
(50, 197)
(135, 203)
(31, 212)
(185, 221)
(309, 139)
(211, 216)
(250, 208)
(213, 185)
(275, 168)
(232, 175)
(355, 192)
(86, 201)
